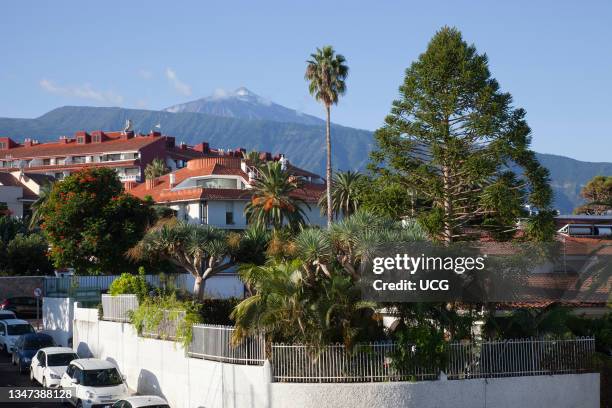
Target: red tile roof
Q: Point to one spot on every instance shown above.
(159, 189)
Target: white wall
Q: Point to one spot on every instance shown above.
(58, 314)
(570, 391)
(11, 195)
(161, 367)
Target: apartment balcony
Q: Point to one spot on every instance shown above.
(129, 177)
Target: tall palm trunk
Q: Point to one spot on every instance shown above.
(328, 169)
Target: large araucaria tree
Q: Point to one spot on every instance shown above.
(455, 139)
(326, 73)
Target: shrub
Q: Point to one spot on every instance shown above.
(131, 284)
(168, 317)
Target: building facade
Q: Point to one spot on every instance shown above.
(18, 190)
(215, 191)
(126, 152)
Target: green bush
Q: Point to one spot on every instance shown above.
(131, 284)
(160, 314)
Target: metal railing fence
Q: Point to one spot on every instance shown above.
(368, 362)
(373, 362)
(169, 327)
(519, 357)
(117, 308)
(214, 342)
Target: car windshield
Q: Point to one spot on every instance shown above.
(38, 343)
(6, 316)
(60, 359)
(101, 378)
(156, 406)
(18, 329)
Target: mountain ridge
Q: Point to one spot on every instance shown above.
(303, 144)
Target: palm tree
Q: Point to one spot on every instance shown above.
(202, 250)
(156, 168)
(274, 200)
(36, 206)
(345, 193)
(326, 72)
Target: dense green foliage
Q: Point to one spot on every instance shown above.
(598, 195)
(90, 222)
(156, 168)
(22, 252)
(453, 136)
(167, 317)
(128, 283)
(273, 202)
(346, 191)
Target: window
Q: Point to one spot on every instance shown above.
(204, 213)
(78, 159)
(106, 377)
(184, 210)
(46, 162)
(96, 138)
(229, 213)
(19, 329)
(217, 183)
(70, 371)
(2, 145)
(61, 359)
(2, 329)
(80, 140)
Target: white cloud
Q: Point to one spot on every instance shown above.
(145, 74)
(181, 87)
(84, 91)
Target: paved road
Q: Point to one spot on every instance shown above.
(10, 377)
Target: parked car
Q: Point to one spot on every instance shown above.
(142, 401)
(10, 330)
(26, 346)
(23, 306)
(96, 383)
(7, 314)
(49, 365)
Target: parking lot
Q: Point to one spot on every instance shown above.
(10, 377)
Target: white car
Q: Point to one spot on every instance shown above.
(7, 314)
(49, 364)
(10, 330)
(94, 382)
(142, 401)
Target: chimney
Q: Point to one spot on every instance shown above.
(27, 142)
(172, 179)
(202, 147)
(129, 185)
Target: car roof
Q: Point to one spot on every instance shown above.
(2, 311)
(57, 350)
(92, 363)
(11, 322)
(145, 400)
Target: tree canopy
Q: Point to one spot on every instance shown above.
(598, 195)
(90, 222)
(455, 139)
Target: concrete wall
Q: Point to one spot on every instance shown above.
(58, 315)
(161, 367)
(11, 286)
(571, 391)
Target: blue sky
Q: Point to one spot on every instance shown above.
(553, 56)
